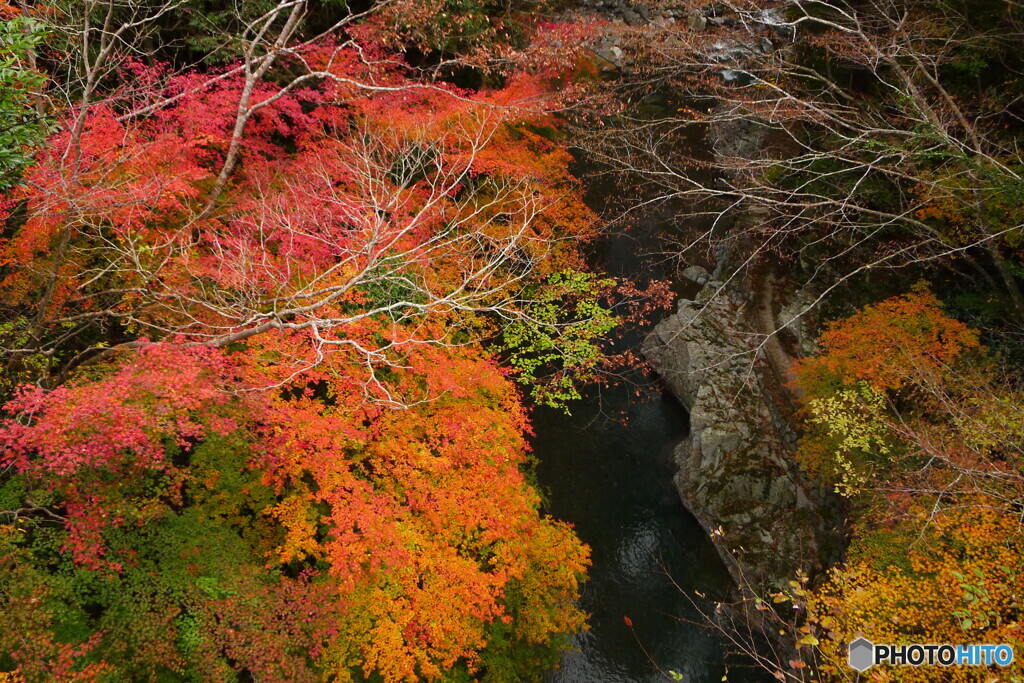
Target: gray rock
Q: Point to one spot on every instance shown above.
(696, 274)
(735, 468)
(695, 20)
(775, 19)
(729, 51)
(738, 138)
(631, 17)
(715, 9)
(721, 21)
(731, 75)
(607, 57)
(794, 318)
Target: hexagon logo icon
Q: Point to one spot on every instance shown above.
(862, 654)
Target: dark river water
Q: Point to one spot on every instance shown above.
(612, 481)
(607, 469)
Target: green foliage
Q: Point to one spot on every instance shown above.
(12, 492)
(151, 613)
(392, 283)
(851, 420)
(214, 30)
(21, 129)
(214, 26)
(884, 547)
(190, 635)
(509, 658)
(557, 346)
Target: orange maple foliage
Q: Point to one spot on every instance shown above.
(889, 345)
(905, 415)
(316, 325)
(426, 523)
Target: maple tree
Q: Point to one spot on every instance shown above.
(402, 537)
(958, 582)
(845, 150)
(252, 427)
(901, 391)
(434, 207)
(908, 418)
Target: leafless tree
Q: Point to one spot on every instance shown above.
(837, 139)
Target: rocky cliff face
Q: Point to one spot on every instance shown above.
(736, 473)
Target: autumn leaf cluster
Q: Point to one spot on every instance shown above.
(252, 424)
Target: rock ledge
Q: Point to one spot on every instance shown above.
(736, 472)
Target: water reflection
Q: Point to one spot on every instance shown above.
(612, 480)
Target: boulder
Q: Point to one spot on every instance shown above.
(696, 274)
(695, 20)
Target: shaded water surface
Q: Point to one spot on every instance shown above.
(607, 469)
(612, 480)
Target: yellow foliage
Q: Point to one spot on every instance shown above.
(963, 584)
(298, 518)
(852, 421)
